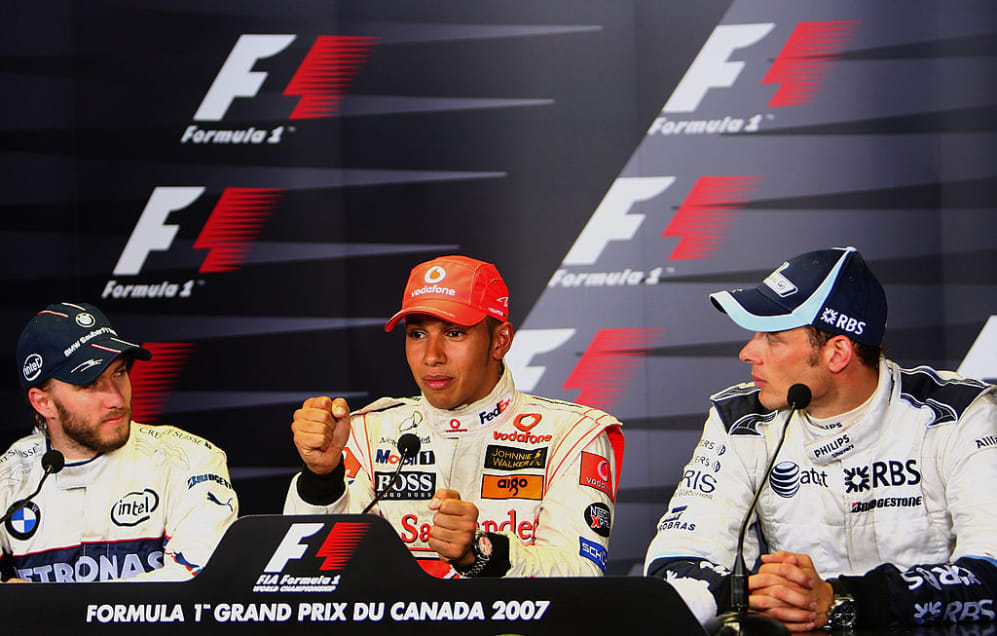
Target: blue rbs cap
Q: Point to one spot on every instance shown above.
(71, 342)
(833, 290)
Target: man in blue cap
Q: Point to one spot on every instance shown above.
(880, 509)
(133, 501)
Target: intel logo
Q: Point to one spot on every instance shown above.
(785, 479)
(134, 508)
(32, 367)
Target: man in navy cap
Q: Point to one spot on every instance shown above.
(880, 509)
(132, 501)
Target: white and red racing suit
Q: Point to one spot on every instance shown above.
(542, 473)
(152, 510)
(900, 506)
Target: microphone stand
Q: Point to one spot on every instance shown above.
(740, 620)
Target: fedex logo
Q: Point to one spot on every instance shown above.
(320, 82)
(798, 72)
(234, 224)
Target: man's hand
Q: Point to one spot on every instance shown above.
(321, 428)
(453, 527)
(789, 589)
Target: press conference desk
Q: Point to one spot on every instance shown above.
(312, 574)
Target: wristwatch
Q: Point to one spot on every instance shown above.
(841, 614)
(481, 548)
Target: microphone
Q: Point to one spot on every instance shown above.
(740, 621)
(408, 446)
(52, 462)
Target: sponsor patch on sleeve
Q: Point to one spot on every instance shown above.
(512, 487)
(595, 473)
(351, 464)
(599, 519)
(593, 552)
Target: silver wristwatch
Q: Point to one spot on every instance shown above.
(841, 614)
(481, 548)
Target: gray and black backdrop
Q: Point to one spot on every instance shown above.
(245, 185)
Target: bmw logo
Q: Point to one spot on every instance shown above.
(85, 320)
(24, 522)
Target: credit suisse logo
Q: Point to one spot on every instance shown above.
(226, 239)
(314, 91)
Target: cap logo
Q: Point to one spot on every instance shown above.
(85, 320)
(32, 367)
(83, 366)
(435, 274)
(838, 320)
(779, 283)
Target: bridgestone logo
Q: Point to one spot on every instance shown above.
(886, 502)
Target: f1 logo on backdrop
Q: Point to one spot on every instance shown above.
(235, 222)
(319, 84)
(798, 72)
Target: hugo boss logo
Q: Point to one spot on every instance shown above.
(134, 508)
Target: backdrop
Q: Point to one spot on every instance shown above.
(245, 185)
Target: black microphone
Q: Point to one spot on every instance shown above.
(740, 620)
(52, 462)
(408, 446)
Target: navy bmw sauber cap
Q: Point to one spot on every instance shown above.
(833, 290)
(71, 342)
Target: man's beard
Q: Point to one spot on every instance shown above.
(86, 434)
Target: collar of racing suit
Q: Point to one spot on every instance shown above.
(84, 472)
(491, 410)
(825, 444)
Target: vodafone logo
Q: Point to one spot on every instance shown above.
(527, 421)
(435, 274)
(319, 84)
(603, 469)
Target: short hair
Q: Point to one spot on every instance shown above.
(868, 354)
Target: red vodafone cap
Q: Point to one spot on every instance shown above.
(457, 289)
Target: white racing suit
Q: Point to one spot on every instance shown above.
(543, 474)
(901, 506)
(152, 510)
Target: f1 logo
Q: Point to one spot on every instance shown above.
(320, 81)
(335, 551)
(234, 224)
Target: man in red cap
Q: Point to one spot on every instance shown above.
(504, 483)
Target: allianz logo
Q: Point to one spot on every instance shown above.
(787, 477)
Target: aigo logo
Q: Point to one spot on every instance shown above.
(320, 83)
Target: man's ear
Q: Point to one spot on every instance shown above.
(502, 340)
(839, 352)
(42, 402)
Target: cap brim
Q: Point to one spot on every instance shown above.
(85, 372)
(751, 310)
(457, 313)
